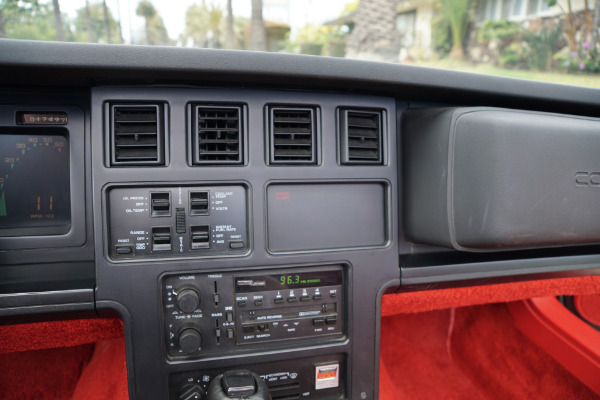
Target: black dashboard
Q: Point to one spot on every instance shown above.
(240, 209)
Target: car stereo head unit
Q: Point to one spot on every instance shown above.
(211, 314)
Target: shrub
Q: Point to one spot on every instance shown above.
(541, 47)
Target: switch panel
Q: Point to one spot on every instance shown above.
(177, 221)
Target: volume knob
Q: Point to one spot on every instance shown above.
(188, 300)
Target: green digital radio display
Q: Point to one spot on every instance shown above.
(287, 281)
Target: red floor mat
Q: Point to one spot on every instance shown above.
(478, 355)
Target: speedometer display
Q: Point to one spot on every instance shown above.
(34, 184)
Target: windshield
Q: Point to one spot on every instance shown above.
(548, 40)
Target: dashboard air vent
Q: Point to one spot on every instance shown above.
(137, 135)
(293, 136)
(217, 136)
(361, 136)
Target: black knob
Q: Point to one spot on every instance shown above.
(191, 392)
(190, 340)
(188, 300)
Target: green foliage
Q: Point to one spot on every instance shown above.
(498, 30)
(316, 40)
(97, 24)
(541, 47)
(513, 56)
(204, 24)
(441, 36)
(28, 19)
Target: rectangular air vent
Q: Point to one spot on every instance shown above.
(292, 135)
(137, 135)
(361, 136)
(217, 135)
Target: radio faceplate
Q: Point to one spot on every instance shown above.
(211, 314)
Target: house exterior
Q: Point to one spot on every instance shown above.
(413, 21)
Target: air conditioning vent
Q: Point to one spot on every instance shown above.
(361, 136)
(137, 135)
(293, 136)
(217, 136)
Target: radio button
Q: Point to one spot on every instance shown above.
(248, 328)
(331, 320)
(317, 297)
(258, 302)
(241, 303)
(263, 327)
(229, 316)
(229, 333)
(318, 321)
(304, 298)
(292, 299)
(278, 300)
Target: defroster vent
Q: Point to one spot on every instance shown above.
(137, 135)
(293, 135)
(361, 136)
(217, 135)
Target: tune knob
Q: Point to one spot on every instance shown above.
(190, 340)
(188, 300)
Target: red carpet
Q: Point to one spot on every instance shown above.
(63, 360)
(451, 344)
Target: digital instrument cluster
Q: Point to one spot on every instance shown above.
(34, 182)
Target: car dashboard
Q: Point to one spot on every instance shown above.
(240, 210)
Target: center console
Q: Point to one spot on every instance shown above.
(245, 230)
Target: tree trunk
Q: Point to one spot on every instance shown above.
(589, 20)
(594, 44)
(60, 30)
(570, 28)
(258, 35)
(106, 21)
(374, 36)
(2, 30)
(230, 35)
(88, 23)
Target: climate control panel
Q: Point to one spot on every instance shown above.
(207, 314)
(176, 221)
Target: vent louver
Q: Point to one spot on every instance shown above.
(293, 136)
(361, 136)
(217, 136)
(136, 135)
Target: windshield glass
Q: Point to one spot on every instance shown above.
(549, 40)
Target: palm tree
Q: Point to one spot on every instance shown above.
(60, 31)
(258, 35)
(146, 10)
(456, 12)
